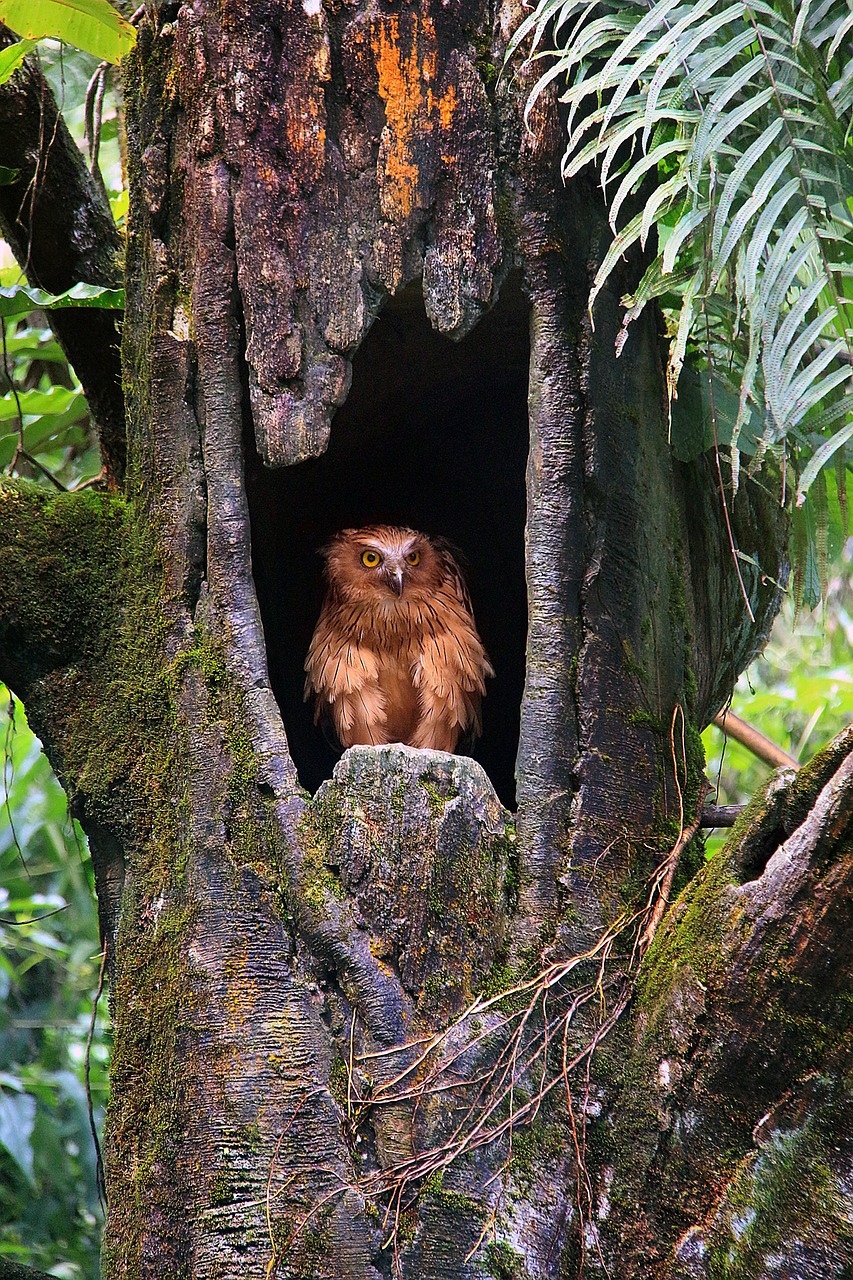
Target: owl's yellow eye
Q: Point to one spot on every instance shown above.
(370, 559)
(413, 557)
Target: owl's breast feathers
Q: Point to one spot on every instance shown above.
(406, 669)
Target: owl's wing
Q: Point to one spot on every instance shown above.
(450, 676)
(344, 677)
(455, 565)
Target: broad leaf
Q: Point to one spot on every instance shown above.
(91, 25)
(19, 300)
(12, 56)
(36, 403)
(17, 1117)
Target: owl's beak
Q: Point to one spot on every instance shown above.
(395, 581)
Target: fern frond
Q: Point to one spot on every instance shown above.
(732, 232)
(742, 111)
(765, 227)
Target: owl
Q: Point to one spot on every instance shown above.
(395, 655)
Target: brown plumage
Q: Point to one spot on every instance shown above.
(395, 655)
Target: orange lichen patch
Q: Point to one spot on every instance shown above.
(304, 114)
(305, 126)
(242, 994)
(406, 86)
(268, 177)
(447, 106)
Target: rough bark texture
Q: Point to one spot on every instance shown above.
(392, 1029)
(12, 1271)
(59, 225)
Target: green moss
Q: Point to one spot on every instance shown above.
(693, 936)
(221, 1189)
(786, 1194)
(437, 798)
(302, 1247)
(146, 1112)
(454, 1202)
(433, 1183)
(639, 716)
(481, 39)
(512, 874)
(435, 985)
(524, 1148)
(205, 656)
(251, 1135)
(398, 798)
(631, 663)
(339, 1080)
(504, 1262)
(502, 977)
(63, 554)
(506, 214)
(319, 832)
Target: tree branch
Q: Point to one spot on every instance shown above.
(61, 231)
(754, 740)
(14, 1271)
(748, 970)
(59, 558)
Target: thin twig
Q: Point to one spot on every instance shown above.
(9, 778)
(90, 1109)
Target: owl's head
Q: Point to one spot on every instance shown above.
(382, 563)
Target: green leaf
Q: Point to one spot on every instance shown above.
(733, 228)
(91, 25)
(33, 403)
(48, 417)
(11, 58)
(684, 229)
(18, 300)
(119, 204)
(17, 1117)
(822, 456)
(34, 344)
(806, 565)
(764, 228)
(694, 428)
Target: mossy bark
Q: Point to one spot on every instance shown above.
(393, 1029)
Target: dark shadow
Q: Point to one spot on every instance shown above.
(433, 435)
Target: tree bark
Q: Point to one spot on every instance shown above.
(395, 1029)
(12, 1271)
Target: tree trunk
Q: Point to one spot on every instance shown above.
(399, 1029)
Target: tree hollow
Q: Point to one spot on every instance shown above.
(433, 435)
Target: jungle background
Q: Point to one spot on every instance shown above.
(54, 1053)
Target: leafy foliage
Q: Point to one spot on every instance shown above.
(19, 299)
(45, 428)
(49, 1212)
(12, 57)
(91, 25)
(725, 128)
(799, 692)
(49, 964)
